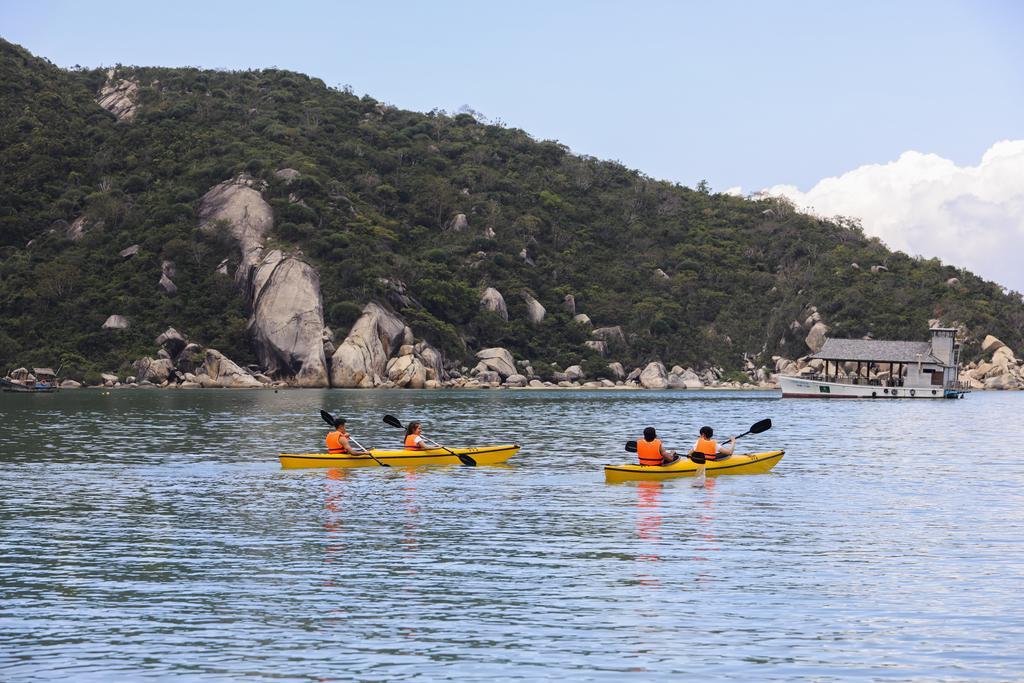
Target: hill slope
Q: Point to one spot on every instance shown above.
(445, 205)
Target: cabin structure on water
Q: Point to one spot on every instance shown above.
(868, 368)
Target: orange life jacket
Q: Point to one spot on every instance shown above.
(334, 444)
(708, 447)
(410, 443)
(649, 452)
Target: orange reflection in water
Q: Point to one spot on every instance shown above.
(410, 539)
(334, 526)
(706, 531)
(648, 525)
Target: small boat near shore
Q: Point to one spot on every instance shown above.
(483, 455)
(44, 381)
(868, 368)
(740, 463)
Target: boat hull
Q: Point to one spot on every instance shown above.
(798, 387)
(741, 463)
(483, 455)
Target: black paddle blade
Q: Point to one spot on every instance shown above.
(393, 421)
(328, 418)
(762, 426)
(466, 460)
(631, 446)
(698, 458)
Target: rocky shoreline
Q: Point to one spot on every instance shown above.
(295, 348)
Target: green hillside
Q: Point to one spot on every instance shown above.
(378, 187)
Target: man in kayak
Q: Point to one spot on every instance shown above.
(651, 452)
(337, 441)
(414, 437)
(710, 448)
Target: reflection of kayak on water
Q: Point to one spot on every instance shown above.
(483, 455)
(741, 463)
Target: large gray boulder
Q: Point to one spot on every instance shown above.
(457, 223)
(691, 380)
(617, 371)
(118, 97)
(361, 360)
(815, 339)
(516, 381)
(116, 322)
(407, 371)
(597, 345)
(574, 373)
(582, 319)
(991, 344)
(220, 371)
(492, 300)
(173, 341)
(654, 376)
(432, 359)
(499, 360)
(237, 207)
(288, 320)
(535, 312)
(155, 370)
(569, 304)
(288, 175)
(1003, 381)
(614, 336)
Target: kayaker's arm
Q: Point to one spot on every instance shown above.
(727, 450)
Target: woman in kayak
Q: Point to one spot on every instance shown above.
(710, 448)
(651, 451)
(414, 437)
(338, 440)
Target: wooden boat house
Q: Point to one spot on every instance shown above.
(43, 381)
(867, 368)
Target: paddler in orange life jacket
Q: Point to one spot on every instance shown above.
(337, 441)
(651, 452)
(414, 437)
(710, 448)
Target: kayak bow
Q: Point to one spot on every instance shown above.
(483, 455)
(741, 463)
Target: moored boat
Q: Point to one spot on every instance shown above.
(482, 455)
(868, 368)
(740, 463)
(28, 387)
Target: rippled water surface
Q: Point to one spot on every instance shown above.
(153, 534)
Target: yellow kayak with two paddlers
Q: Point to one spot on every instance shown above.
(481, 455)
(740, 463)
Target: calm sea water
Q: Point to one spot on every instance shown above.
(152, 534)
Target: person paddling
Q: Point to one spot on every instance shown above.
(338, 440)
(709, 448)
(414, 437)
(651, 452)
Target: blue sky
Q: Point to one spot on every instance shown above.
(744, 94)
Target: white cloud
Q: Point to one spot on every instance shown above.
(923, 204)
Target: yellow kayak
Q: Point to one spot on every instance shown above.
(483, 455)
(740, 463)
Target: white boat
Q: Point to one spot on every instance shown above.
(884, 369)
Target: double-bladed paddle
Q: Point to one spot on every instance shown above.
(329, 419)
(463, 458)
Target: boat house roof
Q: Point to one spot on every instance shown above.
(43, 371)
(876, 350)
